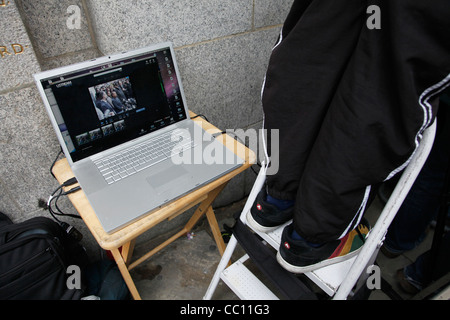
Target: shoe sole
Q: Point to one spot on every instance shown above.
(258, 227)
(299, 270)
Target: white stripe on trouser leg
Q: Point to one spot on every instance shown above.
(360, 213)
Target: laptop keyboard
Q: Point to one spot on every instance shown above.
(137, 158)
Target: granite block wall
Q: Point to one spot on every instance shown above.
(222, 47)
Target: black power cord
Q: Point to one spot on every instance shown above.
(54, 161)
(52, 206)
(53, 201)
(200, 115)
(55, 196)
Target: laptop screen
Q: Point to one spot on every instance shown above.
(103, 106)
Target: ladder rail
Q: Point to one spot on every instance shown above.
(371, 247)
(226, 257)
(394, 203)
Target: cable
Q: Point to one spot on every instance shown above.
(201, 115)
(236, 137)
(70, 230)
(69, 182)
(54, 161)
(53, 200)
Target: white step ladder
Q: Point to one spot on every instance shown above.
(336, 280)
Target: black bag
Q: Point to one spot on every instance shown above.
(34, 257)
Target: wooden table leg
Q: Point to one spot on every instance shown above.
(127, 251)
(215, 230)
(125, 273)
(122, 259)
(205, 208)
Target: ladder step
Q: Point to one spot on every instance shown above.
(245, 284)
(328, 278)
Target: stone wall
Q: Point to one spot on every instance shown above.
(222, 47)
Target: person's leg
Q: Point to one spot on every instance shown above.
(304, 70)
(373, 125)
(414, 276)
(374, 122)
(421, 205)
(306, 65)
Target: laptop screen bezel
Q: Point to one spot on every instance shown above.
(105, 60)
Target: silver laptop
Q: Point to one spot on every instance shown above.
(124, 126)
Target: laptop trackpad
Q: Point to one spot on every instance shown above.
(164, 180)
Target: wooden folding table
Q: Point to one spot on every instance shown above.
(121, 243)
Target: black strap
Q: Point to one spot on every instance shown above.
(287, 283)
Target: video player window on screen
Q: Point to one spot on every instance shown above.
(111, 106)
(113, 98)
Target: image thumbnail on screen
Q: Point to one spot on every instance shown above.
(113, 98)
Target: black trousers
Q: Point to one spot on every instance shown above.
(351, 102)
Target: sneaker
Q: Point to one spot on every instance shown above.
(266, 217)
(297, 256)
